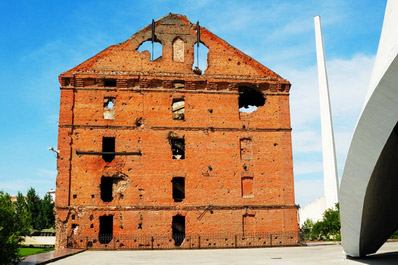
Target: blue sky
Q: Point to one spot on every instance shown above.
(41, 39)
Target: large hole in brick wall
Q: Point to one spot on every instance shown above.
(106, 229)
(178, 108)
(106, 189)
(147, 46)
(200, 59)
(177, 148)
(178, 189)
(178, 228)
(108, 145)
(250, 99)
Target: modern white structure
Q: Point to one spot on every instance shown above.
(316, 208)
(330, 178)
(369, 187)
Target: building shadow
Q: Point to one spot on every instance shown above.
(378, 259)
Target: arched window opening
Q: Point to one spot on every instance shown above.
(147, 46)
(200, 58)
(178, 50)
(250, 99)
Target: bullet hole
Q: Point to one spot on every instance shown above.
(210, 168)
(245, 167)
(74, 196)
(210, 111)
(139, 225)
(139, 122)
(92, 196)
(73, 217)
(121, 196)
(92, 226)
(275, 144)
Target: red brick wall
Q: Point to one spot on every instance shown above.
(213, 128)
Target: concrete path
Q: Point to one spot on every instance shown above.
(332, 254)
(46, 257)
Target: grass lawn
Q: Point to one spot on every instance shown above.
(31, 251)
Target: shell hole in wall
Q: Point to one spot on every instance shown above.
(250, 99)
(155, 53)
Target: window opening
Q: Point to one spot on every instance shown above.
(200, 58)
(106, 189)
(245, 149)
(106, 229)
(178, 148)
(250, 99)
(178, 189)
(109, 111)
(147, 46)
(178, 84)
(109, 103)
(178, 50)
(110, 82)
(178, 229)
(178, 108)
(108, 145)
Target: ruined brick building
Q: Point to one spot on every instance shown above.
(155, 154)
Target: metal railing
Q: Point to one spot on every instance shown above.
(200, 241)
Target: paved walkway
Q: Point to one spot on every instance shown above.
(319, 255)
(48, 256)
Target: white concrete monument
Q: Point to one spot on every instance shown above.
(316, 208)
(369, 187)
(330, 177)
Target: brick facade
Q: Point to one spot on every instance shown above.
(146, 142)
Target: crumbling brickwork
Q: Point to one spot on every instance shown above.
(152, 148)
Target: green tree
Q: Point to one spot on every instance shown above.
(326, 229)
(307, 229)
(12, 230)
(33, 204)
(47, 212)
